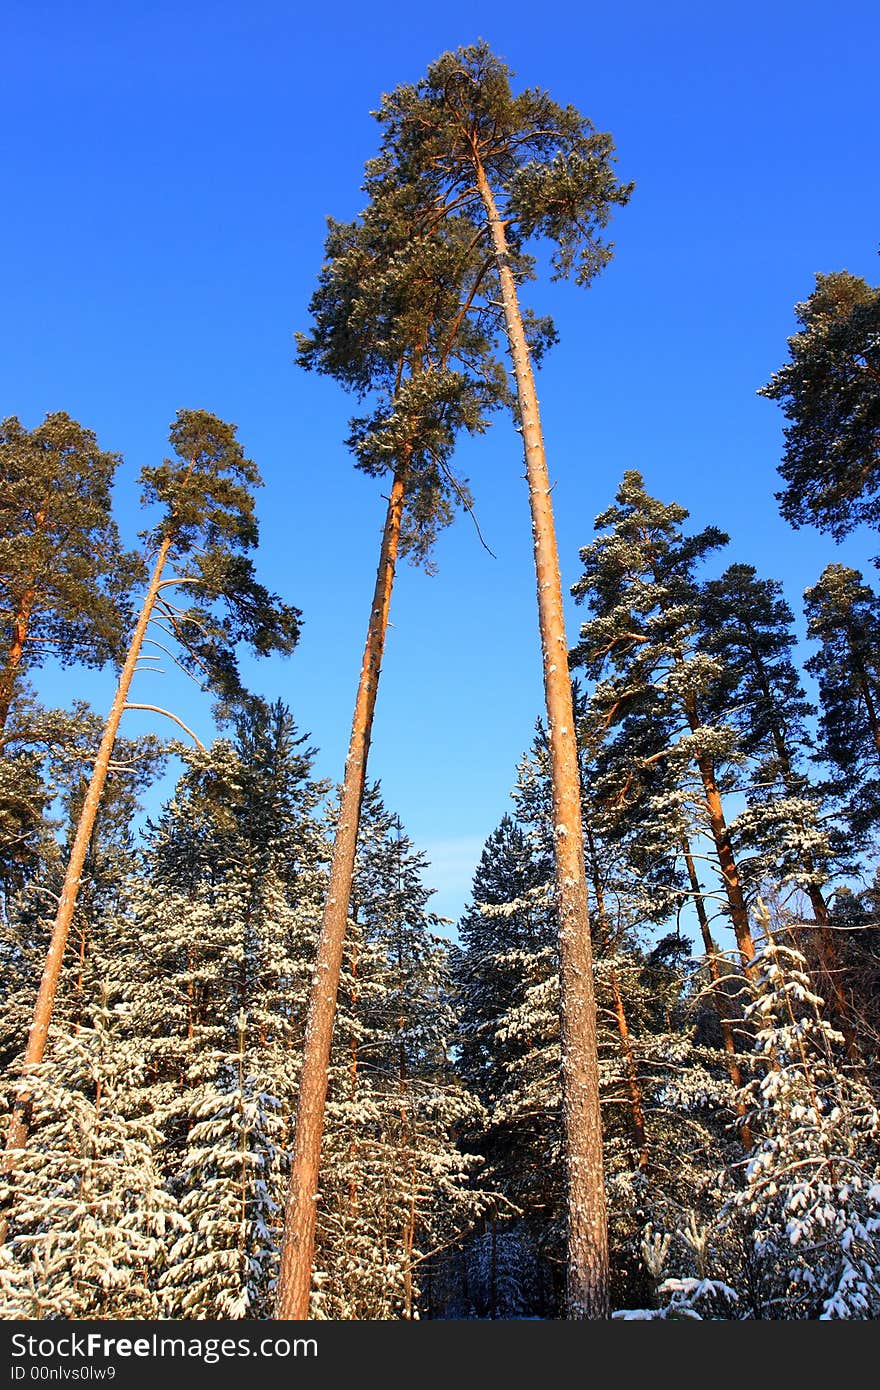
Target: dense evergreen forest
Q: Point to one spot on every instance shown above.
(247, 1074)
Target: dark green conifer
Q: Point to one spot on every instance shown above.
(829, 391)
(65, 580)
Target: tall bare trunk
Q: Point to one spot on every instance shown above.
(587, 1235)
(297, 1252)
(17, 1132)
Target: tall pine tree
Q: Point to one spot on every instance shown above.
(523, 167)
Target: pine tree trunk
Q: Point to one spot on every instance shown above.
(739, 914)
(297, 1252)
(587, 1234)
(16, 651)
(17, 1132)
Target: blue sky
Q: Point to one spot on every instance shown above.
(167, 169)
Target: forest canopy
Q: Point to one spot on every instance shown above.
(249, 1073)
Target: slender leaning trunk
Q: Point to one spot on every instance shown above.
(297, 1251)
(587, 1240)
(36, 1045)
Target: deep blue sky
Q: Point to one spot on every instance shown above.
(167, 169)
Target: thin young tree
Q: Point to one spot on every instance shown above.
(393, 318)
(200, 544)
(522, 167)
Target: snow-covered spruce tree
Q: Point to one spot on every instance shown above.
(214, 958)
(522, 167)
(811, 1193)
(695, 1296)
(200, 545)
(398, 318)
(88, 1214)
(507, 1006)
(397, 1188)
(230, 1179)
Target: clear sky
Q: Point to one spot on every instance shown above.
(167, 169)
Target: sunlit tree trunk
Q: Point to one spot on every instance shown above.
(587, 1234)
(739, 915)
(17, 1131)
(15, 652)
(297, 1252)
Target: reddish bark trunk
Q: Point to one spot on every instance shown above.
(16, 650)
(587, 1233)
(17, 1132)
(297, 1252)
(739, 915)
